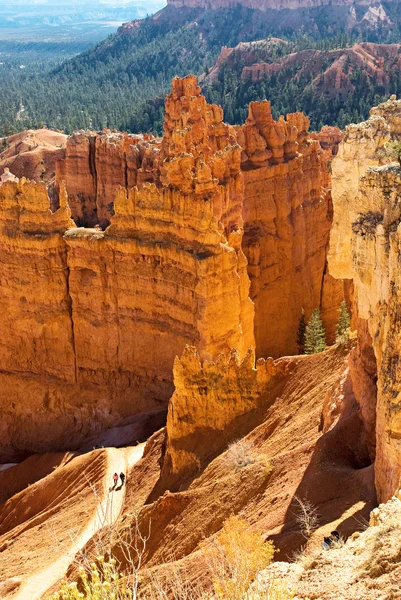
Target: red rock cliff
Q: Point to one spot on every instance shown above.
(97, 164)
(287, 207)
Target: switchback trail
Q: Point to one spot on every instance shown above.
(108, 509)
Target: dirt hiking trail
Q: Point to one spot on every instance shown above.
(108, 510)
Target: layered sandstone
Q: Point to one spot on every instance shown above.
(104, 314)
(286, 207)
(213, 401)
(365, 247)
(329, 138)
(97, 164)
(287, 214)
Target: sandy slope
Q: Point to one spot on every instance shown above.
(79, 494)
(32, 153)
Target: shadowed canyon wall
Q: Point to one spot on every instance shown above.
(287, 215)
(365, 247)
(97, 164)
(217, 401)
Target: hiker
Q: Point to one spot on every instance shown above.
(122, 477)
(115, 479)
(327, 542)
(330, 540)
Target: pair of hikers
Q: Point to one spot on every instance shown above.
(330, 540)
(115, 478)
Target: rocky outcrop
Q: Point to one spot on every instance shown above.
(286, 198)
(287, 214)
(329, 138)
(365, 247)
(172, 268)
(169, 271)
(213, 400)
(33, 153)
(97, 164)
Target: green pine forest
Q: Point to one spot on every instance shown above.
(121, 83)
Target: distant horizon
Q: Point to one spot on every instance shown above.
(81, 23)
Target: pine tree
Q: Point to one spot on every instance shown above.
(315, 335)
(344, 324)
(301, 333)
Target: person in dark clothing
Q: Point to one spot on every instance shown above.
(330, 540)
(122, 477)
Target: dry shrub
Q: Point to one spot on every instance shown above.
(307, 516)
(103, 583)
(173, 584)
(242, 453)
(307, 558)
(236, 555)
(277, 590)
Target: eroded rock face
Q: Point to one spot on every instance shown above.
(213, 401)
(287, 214)
(286, 198)
(169, 271)
(97, 164)
(365, 246)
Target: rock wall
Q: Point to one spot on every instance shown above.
(97, 164)
(172, 269)
(364, 246)
(213, 401)
(286, 208)
(287, 214)
(109, 311)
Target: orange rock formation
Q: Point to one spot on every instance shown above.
(287, 214)
(212, 400)
(96, 165)
(364, 247)
(286, 200)
(169, 271)
(280, 407)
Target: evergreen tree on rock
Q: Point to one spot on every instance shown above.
(344, 324)
(315, 335)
